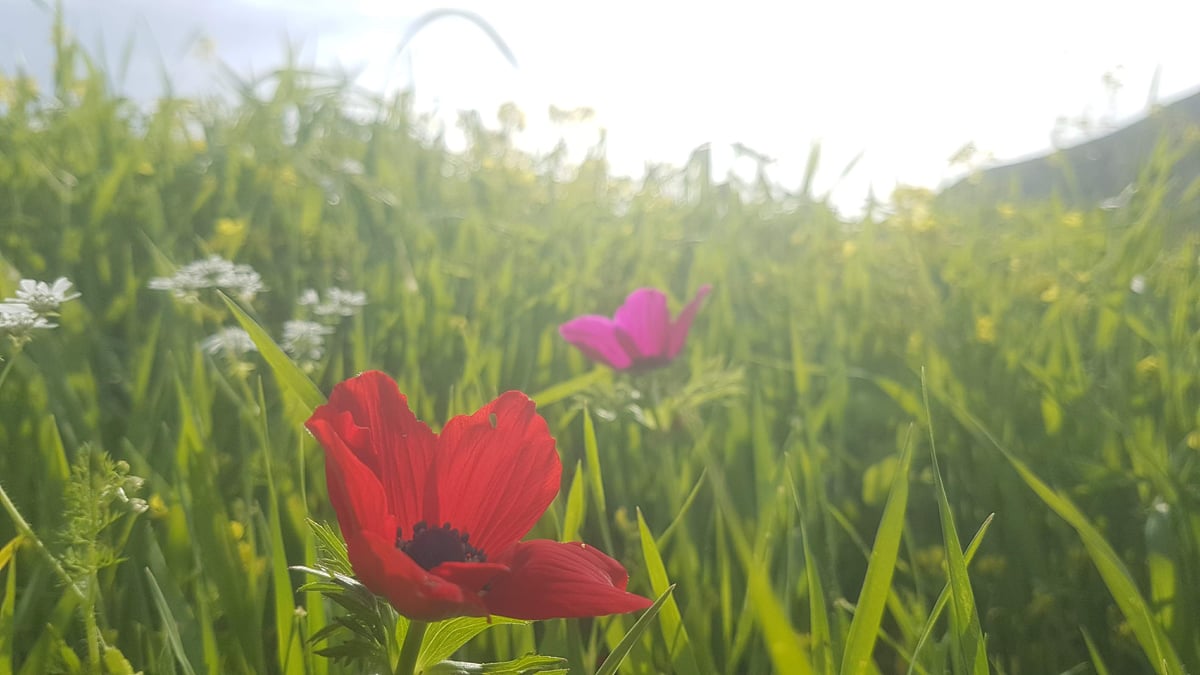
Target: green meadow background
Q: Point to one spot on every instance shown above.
(782, 475)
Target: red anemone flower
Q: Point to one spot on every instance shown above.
(640, 336)
(434, 523)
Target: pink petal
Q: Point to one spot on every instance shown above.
(598, 339)
(679, 329)
(645, 319)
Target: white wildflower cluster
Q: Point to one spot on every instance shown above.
(231, 342)
(1138, 284)
(336, 302)
(212, 272)
(35, 304)
(304, 341)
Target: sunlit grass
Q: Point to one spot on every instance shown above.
(779, 477)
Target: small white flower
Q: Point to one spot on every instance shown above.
(308, 297)
(232, 342)
(244, 281)
(1138, 284)
(212, 272)
(341, 303)
(44, 299)
(351, 167)
(18, 322)
(304, 340)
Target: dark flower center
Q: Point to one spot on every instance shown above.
(432, 546)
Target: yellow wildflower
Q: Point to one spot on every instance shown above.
(985, 329)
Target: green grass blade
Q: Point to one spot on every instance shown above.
(170, 627)
(289, 653)
(288, 374)
(9, 550)
(591, 449)
(7, 626)
(621, 650)
(1116, 576)
(944, 596)
(564, 390)
(818, 611)
(822, 637)
(971, 652)
(683, 657)
(592, 452)
(868, 616)
(683, 511)
(783, 644)
(1097, 660)
(573, 519)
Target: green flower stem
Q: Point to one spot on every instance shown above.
(12, 358)
(23, 526)
(95, 639)
(411, 648)
(26, 531)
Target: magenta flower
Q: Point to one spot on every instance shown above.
(640, 336)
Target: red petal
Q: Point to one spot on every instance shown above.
(496, 472)
(550, 580)
(415, 593)
(354, 490)
(372, 419)
(469, 575)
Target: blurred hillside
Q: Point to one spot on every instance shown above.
(1087, 174)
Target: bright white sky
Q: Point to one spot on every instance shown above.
(905, 83)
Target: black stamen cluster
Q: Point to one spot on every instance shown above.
(432, 546)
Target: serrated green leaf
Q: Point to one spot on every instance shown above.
(331, 551)
(528, 664)
(443, 638)
(115, 662)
